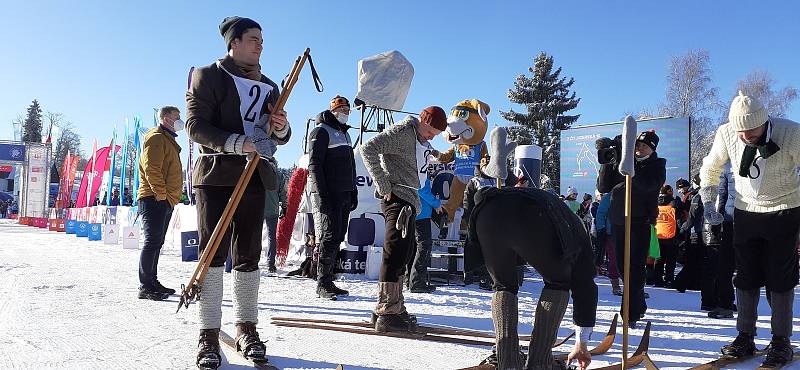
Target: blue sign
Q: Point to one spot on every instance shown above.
(95, 232)
(579, 167)
(351, 262)
(12, 152)
(82, 230)
(190, 241)
(69, 226)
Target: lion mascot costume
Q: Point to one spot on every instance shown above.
(466, 129)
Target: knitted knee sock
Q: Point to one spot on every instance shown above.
(210, 299)
(782, 313)
(747, 301)
(549, 312)
(245, 296)
(505, 317)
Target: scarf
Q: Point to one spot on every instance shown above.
(252, 72)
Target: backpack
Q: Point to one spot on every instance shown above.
(666, 224)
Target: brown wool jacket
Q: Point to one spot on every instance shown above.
(212, 116)
(160, 167)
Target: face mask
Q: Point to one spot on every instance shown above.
(341, 117)
(178, 125)
(639, 159)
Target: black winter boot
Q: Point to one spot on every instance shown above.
(742, 346)
(248, 343)
(208, 357)
(395, 322)
(326, 291)
(779, 352)
(160, 288)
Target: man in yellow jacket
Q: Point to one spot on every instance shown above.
(159, 192)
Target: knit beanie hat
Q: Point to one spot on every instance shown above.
(233, 28)
(650, 138)
(339, 101)
(435, 117)
(572, 191)
(746, 113)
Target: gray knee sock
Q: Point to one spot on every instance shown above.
(505, 317)
(549, 313)
(747, 306)
(781, 304)
(210, 299)
(245, 296)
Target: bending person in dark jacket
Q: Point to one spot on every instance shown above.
(229, 107)
(542, 230)
(650, 173)
(331, 176)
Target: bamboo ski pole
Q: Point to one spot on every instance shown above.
(190, 291)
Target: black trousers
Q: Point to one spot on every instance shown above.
(665, 266)
(718, 282)
(330, 223)
(420, 260)
(271, 222)
(504, 236)
(765, 245)
(244, 233)
(396, 248)
(640, 245)
(155, 219)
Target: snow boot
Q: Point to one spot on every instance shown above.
(426, 288)
(338, 291)
(160, 288)
(779, 353)
(615, 288)
(549, 312)
(325, 291)
(152, 294)
(248, 343)
(404, 315)
(742, 346)
(721, 313)
(505, 316)
(208, 353)
(391, 312)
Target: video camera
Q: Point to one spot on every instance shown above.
(608, 150)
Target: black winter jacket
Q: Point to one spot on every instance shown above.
(649, 176)
(332, 167)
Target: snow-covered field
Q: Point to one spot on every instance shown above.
(68, 303)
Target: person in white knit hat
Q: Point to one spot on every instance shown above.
(764, 152)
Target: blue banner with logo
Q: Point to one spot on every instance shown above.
(82, 230)
(579, 166)
(95, 232)
(12, 152)
(70, 225)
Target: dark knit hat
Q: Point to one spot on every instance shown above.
(682, 183)
(233, 28)
(435, 117)
(339, 101)
(650, 138)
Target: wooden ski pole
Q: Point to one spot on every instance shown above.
(626, 297)
(189, 292)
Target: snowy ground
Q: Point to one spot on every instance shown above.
(69, 303)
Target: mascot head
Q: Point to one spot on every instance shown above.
(467, 123)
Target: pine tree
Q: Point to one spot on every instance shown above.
(32, 127)
(546, 96)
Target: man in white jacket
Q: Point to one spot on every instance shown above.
(765, 154)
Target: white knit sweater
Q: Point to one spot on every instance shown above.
(780, 183)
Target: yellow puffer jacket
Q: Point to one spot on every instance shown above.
(160, 167)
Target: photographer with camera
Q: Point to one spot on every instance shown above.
(650, 174)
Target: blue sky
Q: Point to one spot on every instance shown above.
(98, 62)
